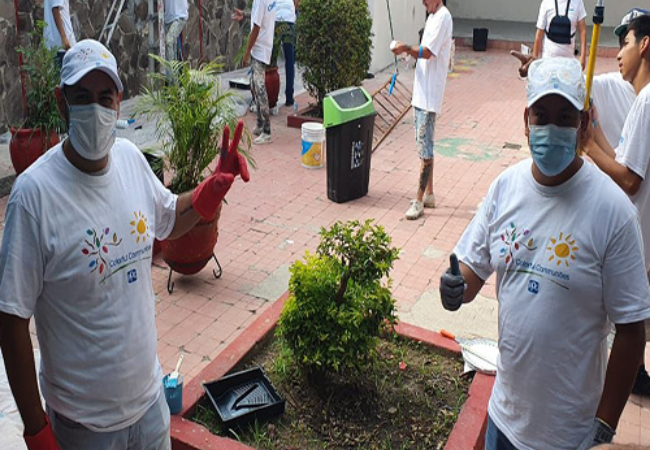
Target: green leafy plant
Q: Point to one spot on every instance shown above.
(41, 77)
(191, 111)
(333, 43)
(338, 304)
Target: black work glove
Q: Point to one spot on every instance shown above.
(452, 286)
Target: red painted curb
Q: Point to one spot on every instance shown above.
(468, 433)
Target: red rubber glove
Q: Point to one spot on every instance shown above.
(43, 440)
(208, 195)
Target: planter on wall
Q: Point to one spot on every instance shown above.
(27, 145)
(468, 433)
(303, 115)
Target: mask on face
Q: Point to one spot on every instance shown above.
(552, 147)
(92, 130)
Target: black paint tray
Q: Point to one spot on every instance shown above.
(243, 397)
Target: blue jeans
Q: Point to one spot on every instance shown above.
(287, 34)
(495, 439)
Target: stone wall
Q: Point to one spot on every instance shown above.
(130, 41)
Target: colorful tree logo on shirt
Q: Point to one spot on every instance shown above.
(515, 238)
(563, 248)
(140, 227)
(96, 248)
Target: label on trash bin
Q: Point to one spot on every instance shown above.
(311, 154)
(356, 155)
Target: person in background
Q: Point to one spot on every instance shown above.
(546, 44)
(176, 15)
(566, 247)
(58, 31)
(75, 260)
(432, 55)
(258, 52)
(285, 32)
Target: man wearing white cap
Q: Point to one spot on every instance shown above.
(76, 255)
(565, 244)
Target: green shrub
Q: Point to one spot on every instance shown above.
(333, 42)
(41, 77)
(338, 304)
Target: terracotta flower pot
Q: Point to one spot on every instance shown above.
(27, 145)
(191, 252)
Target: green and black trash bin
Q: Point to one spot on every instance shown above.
(349, 118)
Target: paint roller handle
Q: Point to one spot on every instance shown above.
(447, 334)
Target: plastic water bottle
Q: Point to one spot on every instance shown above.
(295, 108)
(124, 124)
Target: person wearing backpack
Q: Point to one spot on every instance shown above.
(556, 29)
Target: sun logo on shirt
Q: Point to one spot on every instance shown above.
(563, 249)
(140, 227)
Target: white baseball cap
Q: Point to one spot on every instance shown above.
(629, 17)
(559, 76)
(86, 56)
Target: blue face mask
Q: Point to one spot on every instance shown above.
(553, 148)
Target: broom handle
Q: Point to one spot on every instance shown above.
(599, 17)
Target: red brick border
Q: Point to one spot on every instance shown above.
(468, 433)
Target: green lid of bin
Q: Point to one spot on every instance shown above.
(346, 105)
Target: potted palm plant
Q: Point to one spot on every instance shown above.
(43, 123)
(191, 111)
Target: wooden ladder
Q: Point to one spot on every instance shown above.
(390, 108)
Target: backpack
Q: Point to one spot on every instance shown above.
(559, 30)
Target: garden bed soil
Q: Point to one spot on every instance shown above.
(308, 114)
(409, 399)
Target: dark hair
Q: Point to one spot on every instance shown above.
(641, 27)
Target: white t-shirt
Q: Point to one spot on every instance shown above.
(431, 74)
(613, 97)
(175, 10)
(285, 11)
(51, 32)
(633, 152)
(568, 261)
(263, 15)
(547, 12)
(76, 254)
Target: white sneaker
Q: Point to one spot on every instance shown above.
(429, 201)
(258, 130)
(415, 210)
(262, 139)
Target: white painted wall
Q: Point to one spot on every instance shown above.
(408, 18)
(526, 10)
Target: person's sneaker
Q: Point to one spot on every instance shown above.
(429, 201)
(642, 383)
(262, 139)
(415, 210)
(258, 130)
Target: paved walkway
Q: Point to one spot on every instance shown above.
(271, 221)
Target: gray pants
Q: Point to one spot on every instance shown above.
(261, 98)
(172, 31)
(149, 433)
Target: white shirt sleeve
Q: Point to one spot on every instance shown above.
(435, 36)
(634, 150)
(473, 249)
(582, 12)
(541, 18)
(22, 263)
(257, 15)
(625, 283)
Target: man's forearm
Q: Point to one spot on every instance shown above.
(58, 20)
(583, 39)
(537, 46)
(186, 216)
(627, 180)
(474, 283)
(18, 355)
(419, 52)
(255, 32)
(622, 367)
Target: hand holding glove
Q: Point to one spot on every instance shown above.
(208, 195)
(600, 433)
(43, 440)
(452, 286)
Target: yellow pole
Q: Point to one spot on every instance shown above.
(591, 67)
